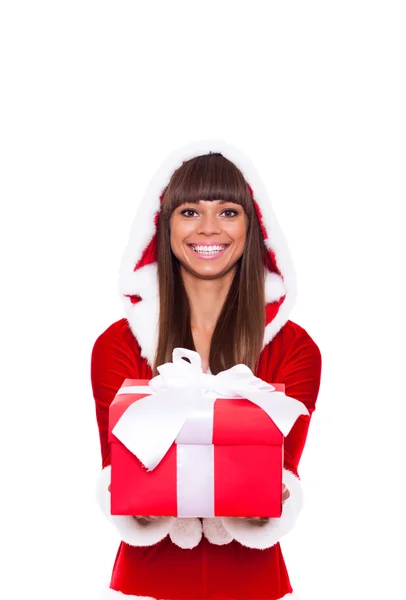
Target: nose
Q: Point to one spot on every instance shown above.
(208, 224)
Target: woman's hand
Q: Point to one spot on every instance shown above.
(145, 520)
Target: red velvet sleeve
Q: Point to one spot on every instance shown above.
(301, 375)
(111, 363)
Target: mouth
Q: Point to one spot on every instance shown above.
(208, 251)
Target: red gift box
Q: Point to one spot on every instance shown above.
(238, 474)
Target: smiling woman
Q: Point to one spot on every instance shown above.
(206, 295)
(208, 241)
(207, 268)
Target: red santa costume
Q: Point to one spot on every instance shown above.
(220, 558)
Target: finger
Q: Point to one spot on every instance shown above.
(285, 495)
(142, 520)
(259, 521)
(253, 518)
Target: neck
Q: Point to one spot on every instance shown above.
(206, 298)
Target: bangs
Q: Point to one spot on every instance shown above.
(207, 177)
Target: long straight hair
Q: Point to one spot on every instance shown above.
(239, 330)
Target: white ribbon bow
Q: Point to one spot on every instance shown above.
(149, 426)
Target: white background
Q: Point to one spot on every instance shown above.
(94, 95)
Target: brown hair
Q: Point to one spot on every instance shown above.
(239, 331)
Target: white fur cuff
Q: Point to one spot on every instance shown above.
(186, 532)
(263, 536)
(129, 529)
(214, 531)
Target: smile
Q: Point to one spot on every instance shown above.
(206, 251)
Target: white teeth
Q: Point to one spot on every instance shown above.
(208, 249)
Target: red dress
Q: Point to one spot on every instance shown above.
(211, 558)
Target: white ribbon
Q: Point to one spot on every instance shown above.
(149, 426)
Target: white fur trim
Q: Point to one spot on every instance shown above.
(143, 317)
(129, 529)
(186, 532)
(274, 287)
(109, 594)
(214, 531)
(264, 536)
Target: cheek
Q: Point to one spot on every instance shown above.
(178, 233)
(244, 228)
(173, 230)
(239, 231)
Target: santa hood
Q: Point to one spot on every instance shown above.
(138, 277)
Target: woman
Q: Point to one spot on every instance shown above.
(206, 268)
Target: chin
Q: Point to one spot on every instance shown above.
(207, 271)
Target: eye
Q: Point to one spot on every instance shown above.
(227, 210)
(231, 210)
(186, 210)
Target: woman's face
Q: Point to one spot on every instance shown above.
(208, 238)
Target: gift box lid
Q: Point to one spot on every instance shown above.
(234, 420)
